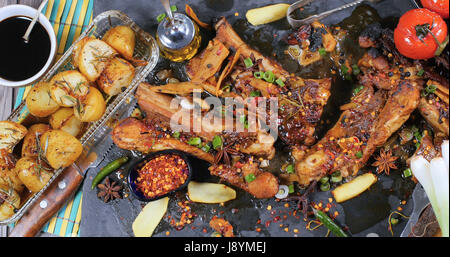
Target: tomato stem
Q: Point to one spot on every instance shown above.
(423, 30)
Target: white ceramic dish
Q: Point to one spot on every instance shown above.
(27, 11)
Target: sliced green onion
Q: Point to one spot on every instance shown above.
(255, 93)
(280, 82)
(258, 74)
(291, 188)
(325, 187)
(359, 154)
(407, 173)
(322, 51)
(344, 69)
(324, 179)
(336, 177)
(176, 134)
(269, 76)
(226, 87)
(161, 17)
(290, 169)
(357, 90)
(206, 148)
(173, 8)
(195, 141)
(420, 73)
(217, 142)
(394, 221)
(250, 177)
(248, 63)
(355, 69)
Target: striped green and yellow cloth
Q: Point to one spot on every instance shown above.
(69, 18)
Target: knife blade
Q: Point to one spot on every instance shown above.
(420, 201)
(61, 190)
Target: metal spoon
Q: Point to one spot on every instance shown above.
(30, 27)
(166, 4)
(297, 23)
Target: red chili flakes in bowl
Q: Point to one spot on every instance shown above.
(162, 175)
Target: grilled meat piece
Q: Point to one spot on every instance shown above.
(366, 124)
(151, 136)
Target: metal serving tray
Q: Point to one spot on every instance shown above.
(145, 49)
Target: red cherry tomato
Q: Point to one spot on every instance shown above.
(438, 6)
(413, 36)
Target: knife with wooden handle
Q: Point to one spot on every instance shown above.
(60, 191)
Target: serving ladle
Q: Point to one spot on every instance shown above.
(26, 37)
(295, 23)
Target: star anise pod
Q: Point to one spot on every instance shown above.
(109, 190)
(385, 162)
(224, 154)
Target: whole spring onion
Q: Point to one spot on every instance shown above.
(434, 178)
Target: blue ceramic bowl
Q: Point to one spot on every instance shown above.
(133, 174)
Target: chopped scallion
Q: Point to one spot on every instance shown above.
(255, 93)
(290, 169)
(258, 74)
(269, 76)
(248, 63)
(173, 8)
(407, 173)
(217, 142)
(322, 51)
(176, 134)
(161, 17)
(359, 154)
(355, 69)
(195, 141)
(280, 82)
(250, 177)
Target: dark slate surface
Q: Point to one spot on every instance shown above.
(365, 214)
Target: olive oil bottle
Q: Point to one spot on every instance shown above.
(178, 39)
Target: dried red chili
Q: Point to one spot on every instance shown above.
(162, 175)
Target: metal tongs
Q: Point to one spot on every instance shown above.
(297, 23)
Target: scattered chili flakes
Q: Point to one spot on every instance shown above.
(222, 226)
(161, 175)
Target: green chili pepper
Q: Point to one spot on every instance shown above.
(329, 223)
(108, 169)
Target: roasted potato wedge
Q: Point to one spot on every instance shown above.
(122, 39)
(11, 201)
(61, 148)
(8, 177)
(149, 218)
(93, 57)
(33, 173)
(68, 87)
(77, 50)
(65, 119)
(29, 146)
(92, 108)
(210, 192)
(116, 77)
(39, 101)
(10, 134)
